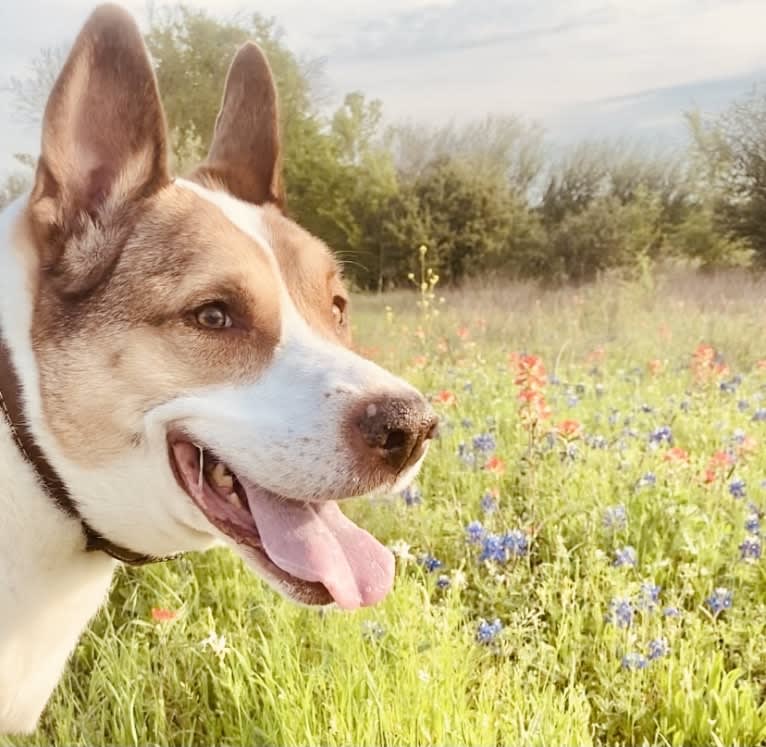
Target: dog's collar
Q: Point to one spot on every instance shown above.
(12, 407)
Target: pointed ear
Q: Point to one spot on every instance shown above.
(245, 153)
(104, 133)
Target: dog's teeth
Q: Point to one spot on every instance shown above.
(221, 476)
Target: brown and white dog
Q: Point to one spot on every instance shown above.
(181, 354)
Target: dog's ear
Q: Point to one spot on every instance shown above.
(245, 154)
(103, 137)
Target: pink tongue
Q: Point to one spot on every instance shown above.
(317, 542)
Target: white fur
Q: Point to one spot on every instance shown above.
(283, 431)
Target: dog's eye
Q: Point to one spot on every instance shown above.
(339, 310)
(213, 316)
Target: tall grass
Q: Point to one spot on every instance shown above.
(238, 665)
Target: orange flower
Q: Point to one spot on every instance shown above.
(707, 363)
(676, 455)
(761, 364)
(717, 463)
(463, 332)
(160, 614)
(569, 428)
(747, 445)
(446, 397)
(420, 361)
(596, 355)
(655, 366)
(495, 465)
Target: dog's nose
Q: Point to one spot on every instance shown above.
(397, 429)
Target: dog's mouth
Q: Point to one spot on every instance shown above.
(311, 551)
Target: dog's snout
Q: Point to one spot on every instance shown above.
(396, 429)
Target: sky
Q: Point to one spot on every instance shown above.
(581, 68)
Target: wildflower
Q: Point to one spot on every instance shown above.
(634, 661)
(475, 532)
(430, 563)
(412, 495)
(649, 595)
(661, 435)
(657, 649)
(743, 405)
(753, 524)
(654, 366)
(488, 631)
(463, 332)
(372, 630)
(597, 442)
(401, 549)
(160, 614)
(489, 501)
(495, 465)
(625, 556)
(676, 455)
(737, 488)
(648, 480)
(446, 397)
(759, 415)
(484, 443)
(750, 549)
(620, 613)
(516, 543)
(443, 582)
(466, 455)
(466, 423)
(616, 518)
(671, 612)
(216, 643)
(493, 548)
(721, 599)
(459, 579)
(569, 428)
(573, 400)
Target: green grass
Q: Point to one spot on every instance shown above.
(410, 672)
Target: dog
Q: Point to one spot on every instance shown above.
(176, 369)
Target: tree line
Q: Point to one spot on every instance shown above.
(486, 198)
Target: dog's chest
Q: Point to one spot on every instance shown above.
(48, 590)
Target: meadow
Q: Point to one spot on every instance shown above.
(579, 562)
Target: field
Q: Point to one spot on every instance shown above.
(579, 564)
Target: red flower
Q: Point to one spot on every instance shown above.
(676, 455)
(446, 397)
(495, 465)
(463, 332)
(569, 428)
(160, 614)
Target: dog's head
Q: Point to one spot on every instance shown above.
(192, 343)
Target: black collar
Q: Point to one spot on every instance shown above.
(11, 403)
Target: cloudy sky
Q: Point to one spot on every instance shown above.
(581, 67)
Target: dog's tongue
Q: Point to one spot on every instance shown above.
(317, 542)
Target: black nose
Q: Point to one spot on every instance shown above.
(397, 429)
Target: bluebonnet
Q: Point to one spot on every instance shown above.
(571, 452)
(721, 599)
(466, 423)
(657, 648)
(412, 495)
(516, 543)
(649, 595)
(625, 556)
(488, 631)
(484, 443)
(430, 563)
(615, 518)
(759, 415)
(671, 612)
(620, 613)
(633, 661)
(572, 400)
(493, 548)
(466, 455)
(750, 549)
(554, 380)
(661, 435)
(753, 524)
(475, 532)
(443, 582)
(647, 480)
(488, 502)
(729, 387)
(737, 488)
(597, 442)
(738, 436)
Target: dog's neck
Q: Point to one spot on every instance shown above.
(49, 587)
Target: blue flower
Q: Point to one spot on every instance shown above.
(488, 631)
(671, 612)
(488, 503)
(573, 400)
(484, 443)
(753, 524)
(620, 613)
(430, 563)
(750, 549)
(516, 543)
(475, 532)
(657, 648)
(466, 423)
(616, 518)
(466, 456)
(597, 442)
(634, 661)
(737, 488)
(625, 556)
(493, 549)
(649, 595)
(412, 495)
(759, 415)
(648, 480)
(443, 582)
(661, 435)
(721, 599)
(743, 405)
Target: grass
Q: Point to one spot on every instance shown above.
(238, 665)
